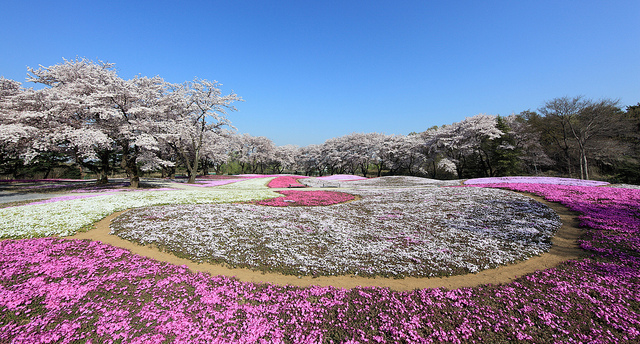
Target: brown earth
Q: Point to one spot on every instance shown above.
(564, 248)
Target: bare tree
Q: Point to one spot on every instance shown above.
(576, 122)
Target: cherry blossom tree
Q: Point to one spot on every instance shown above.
(284, 158)
(216, 149)
(15, 135)
(459, 141)
(197, 107)
(333, 157)
(253, 153)
(309, 159)
(88, 108)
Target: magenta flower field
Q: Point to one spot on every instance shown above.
(307, 198)
(72, 291)
(286, 182)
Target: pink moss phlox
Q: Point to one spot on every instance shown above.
(307, 198)
(611, 215)
(64, 291)
(286, 182)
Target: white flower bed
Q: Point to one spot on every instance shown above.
(251, 184)
(389, 181)
(402, 232)
(66, 217)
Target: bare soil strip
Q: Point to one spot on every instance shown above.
(564, 248)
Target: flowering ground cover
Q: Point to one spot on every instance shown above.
(100, 193)
(54, 290)
(248, 184)
(625, 186)
(341, 177)
(68, 216)
(307, 198)
(535, 180)
(380, 182)
(286, 182)
(215, 182)
(397, 233)
(218, 176)
(611, 215)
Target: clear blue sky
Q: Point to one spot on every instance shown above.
(313, 70)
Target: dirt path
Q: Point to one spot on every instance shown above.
(564, 248)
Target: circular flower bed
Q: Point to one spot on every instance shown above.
(397, 233)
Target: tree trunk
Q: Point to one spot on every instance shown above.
(205, 167)
(101, 178)
(130, 166)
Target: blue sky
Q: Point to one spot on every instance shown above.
(312, 70)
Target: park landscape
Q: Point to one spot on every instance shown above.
(334, 259)
(319, 172)
(138, 214)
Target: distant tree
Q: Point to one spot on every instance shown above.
(554, 124)
(309, 160)
(619, 155)
(526, 139)
(253, 153)
(217, 149)
(284, 158)
(577, 122)
(459, 142)
(504, 151)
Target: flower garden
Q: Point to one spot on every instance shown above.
(391, 233)
(54, 290)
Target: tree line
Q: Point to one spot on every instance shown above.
(87, 118)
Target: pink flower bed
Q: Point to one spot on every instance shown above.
(307, 198)
(286, 182)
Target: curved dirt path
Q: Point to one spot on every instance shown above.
(564, 248)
